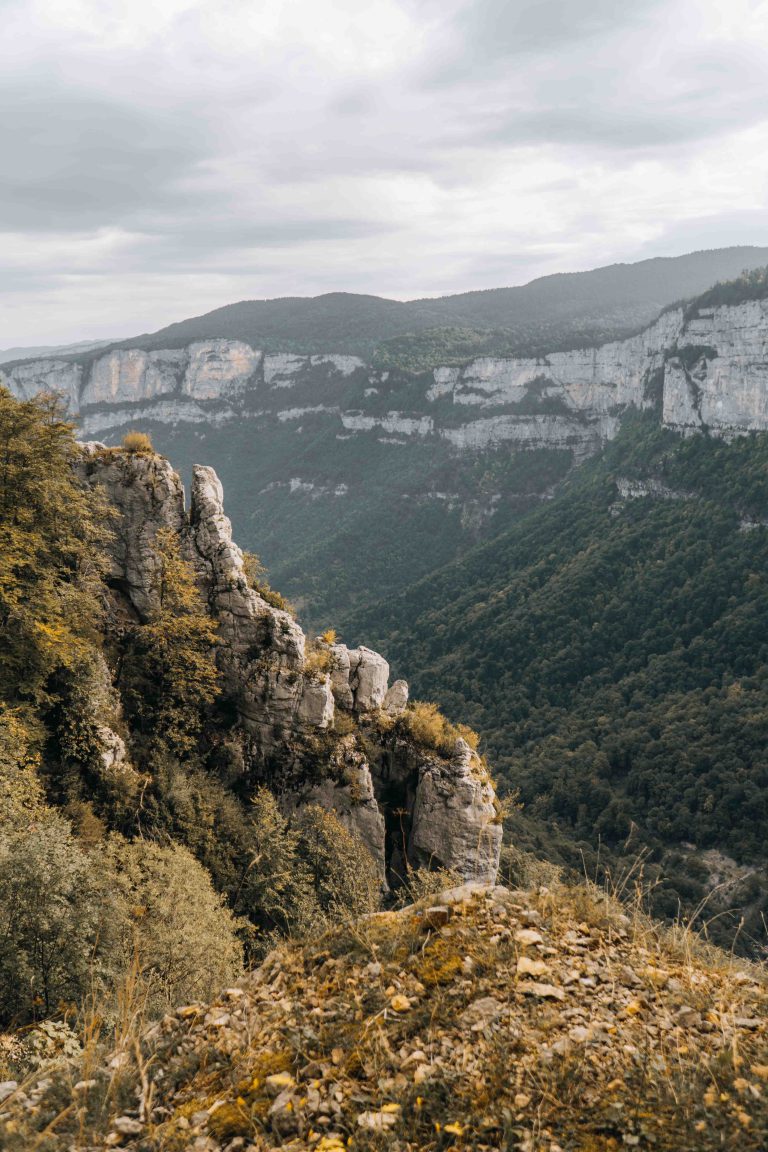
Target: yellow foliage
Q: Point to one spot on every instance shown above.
(329, 636)
(427, 725)
(137, 442)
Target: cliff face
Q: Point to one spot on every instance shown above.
(714, 366)
(412, 806)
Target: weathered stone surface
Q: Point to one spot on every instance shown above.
(219, 368)
(441, 814)
(148, 496)
(396, 698)
(454, 822)
(714, 366)
(369, 675)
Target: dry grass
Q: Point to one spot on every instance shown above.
(138, 442)
(529, 1020)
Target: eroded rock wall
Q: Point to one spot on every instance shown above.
(286, 692)
(714, 365)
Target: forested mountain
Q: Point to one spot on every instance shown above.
(561, 310)
(612, 649)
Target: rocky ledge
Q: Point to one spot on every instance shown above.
(480, 1018)
(317, 722)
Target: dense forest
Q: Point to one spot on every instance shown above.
(612, 651)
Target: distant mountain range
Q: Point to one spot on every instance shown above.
(552, 312)
(10, 355)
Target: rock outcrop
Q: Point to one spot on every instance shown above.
(285, 692)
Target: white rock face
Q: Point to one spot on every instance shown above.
(392, 422)
(26, 380)
(344, 365)
(126, 376)
(396, 698)
(174, 411)
(281, 367)
(359, 678)
(219, 368)
(148, 496)
(531, 432)
(283, 703)
(368, 678)
(719, 380)
(454, 819)
(725, 388)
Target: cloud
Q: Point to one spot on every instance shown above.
(161, 160)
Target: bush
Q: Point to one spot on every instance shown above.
(173, 930)
(50, 907)
(256, 575)
(138, 442)
(426, 725)
(344, 875)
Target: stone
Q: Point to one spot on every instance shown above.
(369, 675)
(540, 991)
(436, 916)
(528, 967)
(480, 1013)
(127, 1126)
(379, 1121)
(454, 823)
(396, 698)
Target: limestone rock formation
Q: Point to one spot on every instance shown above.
(712, 363)
(411, 808)
(453, 817)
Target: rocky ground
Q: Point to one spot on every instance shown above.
(482, 1019)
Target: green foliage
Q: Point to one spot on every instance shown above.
(169, 674)
(752, 284)
(256, 574)
(304, 870)
(612, 654)
(49, 919)
(426, 724)
(342, 871)
(170, 929)
(51, 532)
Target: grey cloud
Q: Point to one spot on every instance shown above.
(74, 161)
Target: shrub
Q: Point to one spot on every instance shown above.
(329, 636)
(138, 442)
(317, 662)
(49, 918)
(173, 930)
(426, 724)
(344, 875)
(256, 575)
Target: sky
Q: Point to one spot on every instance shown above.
(162, 159)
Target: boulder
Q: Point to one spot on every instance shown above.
(396, 698)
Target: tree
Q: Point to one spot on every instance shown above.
(169, 676)
(52, 529)
(171, 929)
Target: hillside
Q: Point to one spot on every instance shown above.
(480, 1018)
(558, 311)
(610, 649)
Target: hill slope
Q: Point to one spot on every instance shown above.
(611, 650)
(494, 1019)
(552, 311)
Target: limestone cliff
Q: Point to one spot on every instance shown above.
(411, 805)
(711, 363)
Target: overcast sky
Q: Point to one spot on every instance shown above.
(161, 159)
